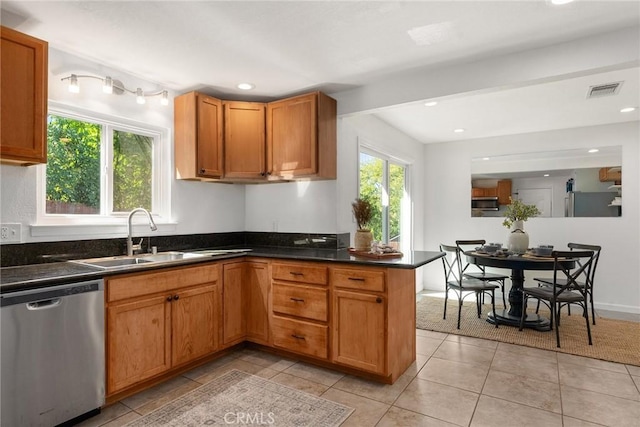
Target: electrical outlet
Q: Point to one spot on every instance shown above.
(10, 233)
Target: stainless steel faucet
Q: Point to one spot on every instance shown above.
(130, 246)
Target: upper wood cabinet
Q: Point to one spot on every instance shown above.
(244, 140)
(301, 137)
(610, 174)
(23, 98)
(504, 191)
(198, 136)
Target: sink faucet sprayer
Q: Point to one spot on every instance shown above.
(130, 246)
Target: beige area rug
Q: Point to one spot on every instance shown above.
(613, 340)
(238, 398)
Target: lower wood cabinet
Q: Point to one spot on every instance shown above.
(359, 331)
(234, 291)
(359, 318)
(159, 321)
(257, 302)
(373, 319)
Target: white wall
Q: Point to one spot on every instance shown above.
(197, 207)
(447, 216)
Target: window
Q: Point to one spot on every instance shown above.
(100, 167)
(383, 182)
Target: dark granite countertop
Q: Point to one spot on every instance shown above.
(54, 273)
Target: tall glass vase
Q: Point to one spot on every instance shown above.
(518, 238)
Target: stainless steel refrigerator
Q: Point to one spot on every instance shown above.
(590, 204)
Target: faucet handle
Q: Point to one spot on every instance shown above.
(138, 246)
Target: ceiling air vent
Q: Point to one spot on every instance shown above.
(604, 90)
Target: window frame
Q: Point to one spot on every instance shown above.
(161, 175)
(406, 222)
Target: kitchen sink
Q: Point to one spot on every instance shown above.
(143, 259)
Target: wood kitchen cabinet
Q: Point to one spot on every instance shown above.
(234, 294)
(257, 304)
(23, 98)
(244, 140)
(610, 174)
(301, 137)
(373, 320)
(504, 191)
(300, 308)
(198, 137)
(159, 321)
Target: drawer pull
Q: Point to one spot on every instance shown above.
(296, 273)
(298, 337)
(379, 300)
(296, 299)
(357, 279)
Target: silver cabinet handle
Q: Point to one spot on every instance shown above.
(298, 337)
(296, 299)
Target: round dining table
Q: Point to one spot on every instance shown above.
(517, 264)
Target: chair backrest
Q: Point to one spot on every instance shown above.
(584, 261)
(467, 245)
(451, 263)
(596, 256)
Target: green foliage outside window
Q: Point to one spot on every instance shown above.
(73, 165)
(74, 168)
(371, 188)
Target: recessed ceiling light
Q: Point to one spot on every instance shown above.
(546, 174)
(485, 158)
(561, 2)
(628, 109)
(593, 150)
(459, 130)
(245, 86)
(430, 104)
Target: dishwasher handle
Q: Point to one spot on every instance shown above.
(44, 305)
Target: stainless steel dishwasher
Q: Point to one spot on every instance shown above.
(52, 354)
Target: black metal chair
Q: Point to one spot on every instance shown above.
(588, 280)
(481, 274)
(455, 281)
(564, 288)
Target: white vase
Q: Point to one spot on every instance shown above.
(362, 240)
(518, 238)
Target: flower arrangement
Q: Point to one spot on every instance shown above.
(518, 211)
(363, 213)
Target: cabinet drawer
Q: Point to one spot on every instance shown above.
(301, 301)
(145, 283)
(301, 337)
(303, 273)
(366, 280)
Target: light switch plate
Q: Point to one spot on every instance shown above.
(10, 233)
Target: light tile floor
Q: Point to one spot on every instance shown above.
(455, 381)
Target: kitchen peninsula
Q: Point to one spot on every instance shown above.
(320, 305)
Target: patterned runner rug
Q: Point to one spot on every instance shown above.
(613, 340)
(238, 398)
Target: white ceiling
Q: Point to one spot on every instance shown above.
(288, 47)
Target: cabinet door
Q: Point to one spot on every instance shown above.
(504, 191)
(244, 140)
(209, 138)
(292, 136)
(359, 330)
(194, 323)
(257, 302)
(23, 92)
(138, 341)
(234, 326)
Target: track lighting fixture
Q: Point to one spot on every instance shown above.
(113, 86)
